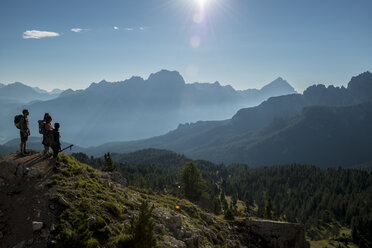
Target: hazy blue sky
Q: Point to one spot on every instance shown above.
(244, 43)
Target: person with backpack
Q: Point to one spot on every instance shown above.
(24, 131)
(44, 125)
(56, 144)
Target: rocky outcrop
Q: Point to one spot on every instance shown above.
(276, 234)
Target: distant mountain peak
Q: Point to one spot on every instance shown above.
(279, 84)
(165, 76)
(363, 78)
(361, 86)
(38, 90)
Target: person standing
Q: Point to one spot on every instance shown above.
(24, 131)
(47, 118)
(56, 144)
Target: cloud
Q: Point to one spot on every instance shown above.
(36, 34)
(76, 30)
(129, 29)
(142, 28)
(116, 28)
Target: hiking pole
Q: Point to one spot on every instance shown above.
(67, 148)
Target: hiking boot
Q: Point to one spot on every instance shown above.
(47, 155)
(26, 153)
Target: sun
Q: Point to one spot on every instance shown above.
(201, 3)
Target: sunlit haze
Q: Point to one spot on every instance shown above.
(246, 44)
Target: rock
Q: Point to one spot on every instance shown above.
(20, 244)
(159, 228)
(52, 227)
(169, 241)
(277, 234)
(2, 226)
(63, 202)
(30, 242)
(33, 172)
(20, 170)
(208, 232)
(1, 235)
(174, 222)
(36, 226)
(44, 233)
(192, 242)
(208, 219)
(91, 220)
(118, 178)
(52, 207)
(2, 182)
(8, 170)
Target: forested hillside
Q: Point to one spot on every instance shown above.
(327, 201)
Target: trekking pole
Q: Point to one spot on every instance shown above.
(67, 148)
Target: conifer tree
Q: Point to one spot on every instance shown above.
(193, 184)
(269, 210)
(109, 164)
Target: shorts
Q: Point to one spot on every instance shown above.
(23, 137)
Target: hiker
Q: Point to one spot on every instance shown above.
(45, 125)
(24, 131)
(56, 144)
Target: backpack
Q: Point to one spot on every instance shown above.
(17, 121)
(49, 139)
(41, 126)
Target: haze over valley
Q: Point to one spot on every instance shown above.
(134, 108)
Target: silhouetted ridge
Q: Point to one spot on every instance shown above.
(326, 126)
(165, 77)
(278, 84)
(360, 86)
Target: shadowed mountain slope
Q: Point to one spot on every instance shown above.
(283, 129)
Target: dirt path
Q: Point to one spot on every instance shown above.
(25, 198)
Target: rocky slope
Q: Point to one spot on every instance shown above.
(77, 206)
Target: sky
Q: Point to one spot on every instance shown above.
(244, 43)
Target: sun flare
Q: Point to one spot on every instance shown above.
(201, 3)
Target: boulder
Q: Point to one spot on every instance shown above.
(173, 222)
(37, 226)
(91, 220)
(169, 241)
(63, 202)
(20, 244)
(33, 172)
(277, 234)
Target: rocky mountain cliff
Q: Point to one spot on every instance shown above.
(75, 205)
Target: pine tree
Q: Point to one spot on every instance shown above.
(269, 210)
(193, 184)
(109, 164)
(141, 229)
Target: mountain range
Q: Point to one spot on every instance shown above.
(21, 93)
(137, 108)
(326, 126)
